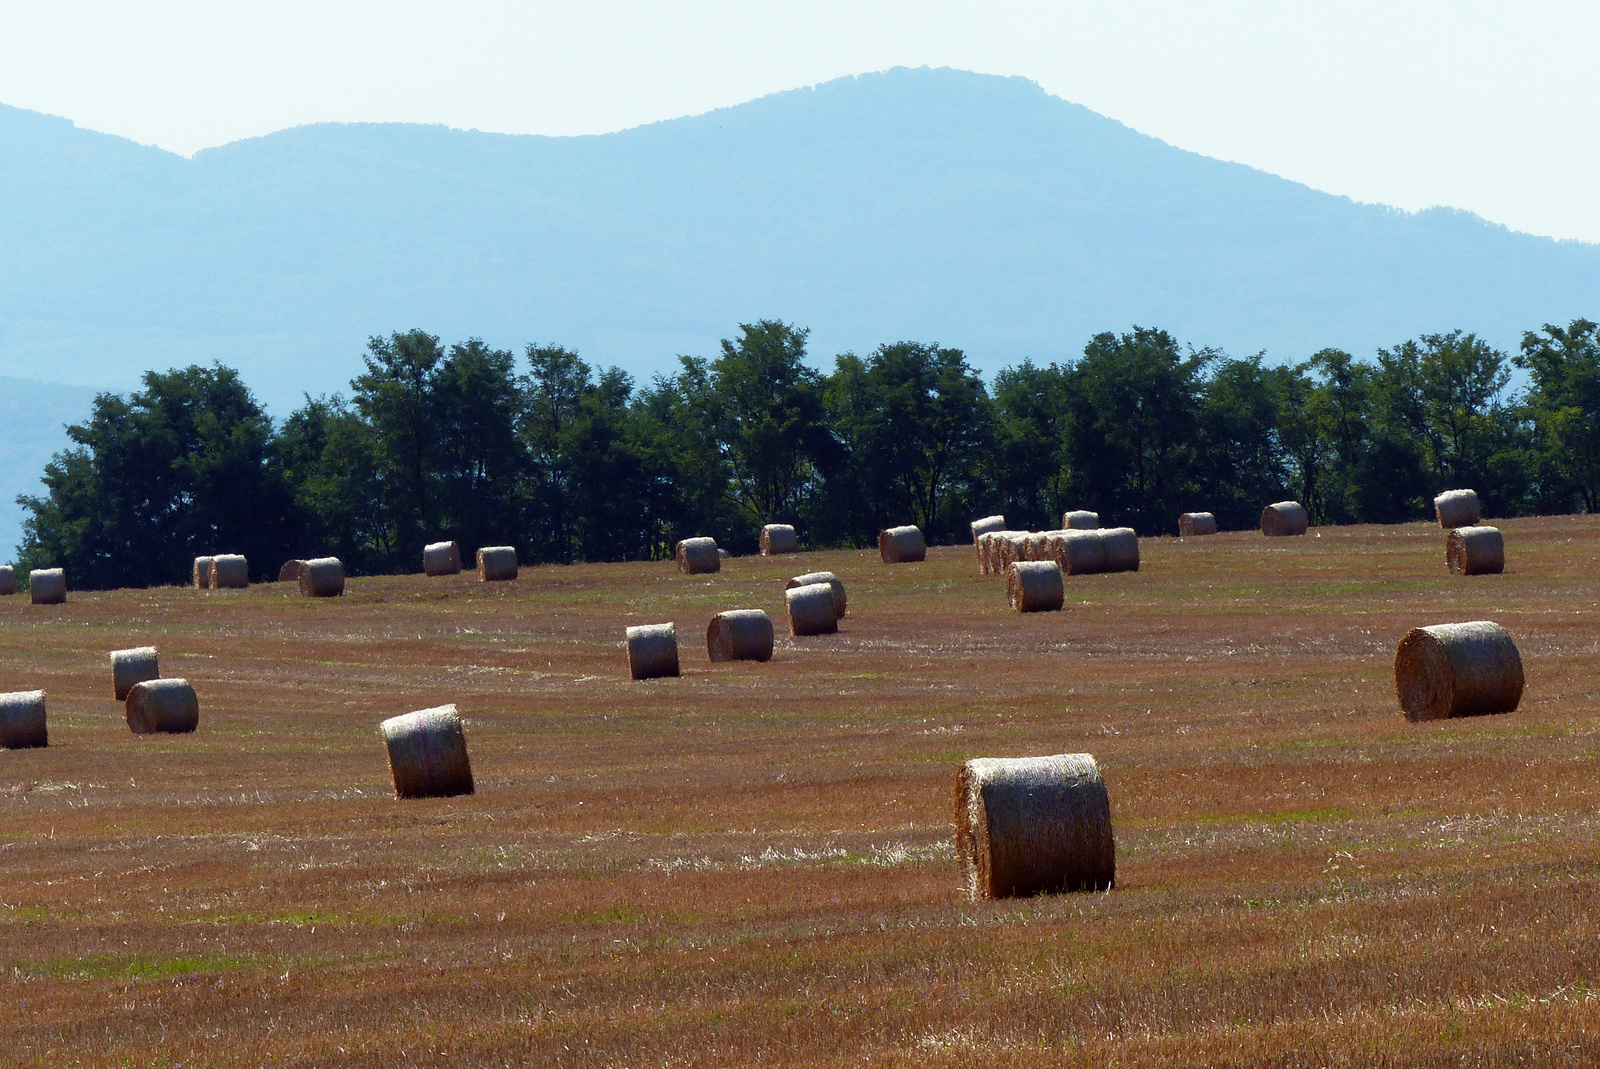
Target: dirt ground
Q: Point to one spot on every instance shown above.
(752, 864)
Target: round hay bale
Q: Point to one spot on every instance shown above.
(811, 609)
(1457, 508)
(1194, 524)
(47, 586)
(497, 564)
(779, 538)
(1475, 551)
(1035, 586)
(740, 635)
(1457, 670)
(1033, 825)
(902, 545)
(22, 725)
(652, 651)
(164, 706)
(1285, 518)
(428, 753)
(8, 580)
(202, 573)
(985, 525)
(699, 556)
(840, 604)
(1080, 520)
(1122, 548)
(723, 554)
(322, 577)
(290, 572)
(441, 558)
(131, 667)
(229, 571)
(1081, 552)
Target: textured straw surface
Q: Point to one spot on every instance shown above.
(1191, 524)
(202, 572)
(1080, 520)
(811, 610)
(129, 667)
(699, 556)
(1285, 518)
(779, 538)
(497, 564)
(8, 580)
(840, 603)
(1033, 825)
(428, 753)
(987, 524)
(22, 722)
(322, 577)
(229, 571)
(441, 558)
(1475, 551)
(740, 635)
(1457, 670)
(290, 572)
(1081, 552)
(902, 545)
(652, 651)
(1457, 508)
(1035, 586)
(166, 706)
(47, 586)
(1122, 549)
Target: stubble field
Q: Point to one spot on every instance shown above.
(752, 864)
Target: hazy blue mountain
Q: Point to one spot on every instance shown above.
(33, 417)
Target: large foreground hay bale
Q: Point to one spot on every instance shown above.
(1457, 670)
(47, 586)
(779, 538)
(164, 706)
(740, 635)
(428, 753)
(1457, 508)
(652, 651)
(1080, 552)
(1193, 524)
(1285, 518)
(985, 525)
(229, 571)
(290, 572)
(22, 725)
(8, 580)
(1122, 549)
(131, 667)
(699, 556)
(811, 610)
(902, 545)
(202, 573)
(497, 564)
(441, 558)
(322, 577)
(840, 604)
(1080, 520)
(1035, 586)
(1475, 551)
(1033, 825)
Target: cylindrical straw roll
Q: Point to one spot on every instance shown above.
(497, 564)
(1457, 508)
(8, 580)
(1033, 825)
(1284, 518)
(1192, 524)
(1081, 552)
(1080, 520)
(1035, 586)
(699, 556)
(322, 577)
(22, 722)
(1457, 670)
(290, 572)
(202, 572)
(840, 604)
(47, 586)
(428, 753)
(740, 635)
(130, 667)
(811, 609)
(779, 538)
(902, 545)
(229, 571)
(1475, 551)
(1122, 549)
(165, 706)
(441, 558)
(985, 525)
(652, 651)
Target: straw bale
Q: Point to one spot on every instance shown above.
(985, 525)
(902, 545)
(1457, 508)
(1457, 670)
(129, 667)
(652, 651)
(699, 556)
(441, 558)
(1033, 825)
(22, 724)
(723, 554)
(779, 538)
(428, 753)
(811, 610)
(1035, 586)
(1285, 518)
(1194, 524)
(740, 635)
(1080, 552)
(1122, 548)
(1080, 520)
(1475, 551)
(290, 572)
(47, 586)
(164, 706)
(8, 580)
(322, 577)
(202, 572)
(497, 564)
(834, 583)
(229, 571)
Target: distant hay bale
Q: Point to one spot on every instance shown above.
(1080, 520)
(322, 577)
(811, 610)
(22, 724)
(428, 753)
(779, 538)
(985, 525)
(1457, 670)
(162, 706)
(699, 556)
(1033, 825)
(441, 558)
(1457, 508)
(1122, 548)
(723, 554)
(652, 651)
(1080, 552)
(202, 573)
(1035, 586)
(131, 667)
(229, 571)
(902, 545)
(1285, 518)
(8, 580)
(740, 635)
(290, 572)
(1475, 551)
(47, 586)
(497, 564)
(840, 604)
(1193, 524)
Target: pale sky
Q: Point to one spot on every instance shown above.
(1490, 107)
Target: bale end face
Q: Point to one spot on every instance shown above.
(811, 609)
(1451, 670)
(699, 556)
(840, 602)
(779, 538)
(653, 651)
(202, 573)
(740, 635)
(162, 706)
(22, 720)
(1475, 551)
(1035, 586)
(902, 545)
(428, 753)
(131, 667)
(290, 572)
(47, 586)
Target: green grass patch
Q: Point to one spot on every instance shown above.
(131, 966)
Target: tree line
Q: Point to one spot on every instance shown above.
(567, 462)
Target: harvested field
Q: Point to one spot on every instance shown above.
(752, 864)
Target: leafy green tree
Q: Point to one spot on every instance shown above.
(395, 397)
(1030, 473)
(1564, 404)
(328, 455)
(474, 407)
